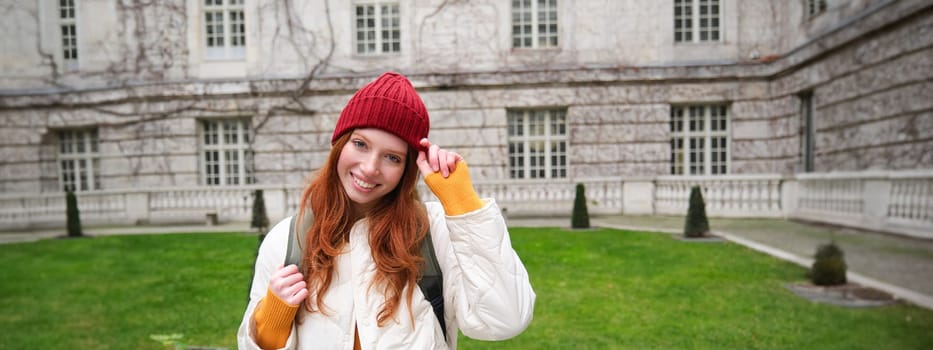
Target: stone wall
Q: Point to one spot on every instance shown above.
(871, 82)
(873, 99)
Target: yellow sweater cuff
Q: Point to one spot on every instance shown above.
(274, 319)
(456, 192)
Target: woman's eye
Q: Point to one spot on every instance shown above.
(394, 158)
(359, 144)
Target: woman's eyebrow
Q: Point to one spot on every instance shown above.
(400, 153)
(396, 152)
(359, 136)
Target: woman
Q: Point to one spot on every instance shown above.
(357, 288)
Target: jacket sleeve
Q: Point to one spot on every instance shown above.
(271, 254)
(491, 293)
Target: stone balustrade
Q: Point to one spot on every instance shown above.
(555, 197)
(897, 202)
(144, 206)
(725, 196)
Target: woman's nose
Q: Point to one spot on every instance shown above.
(370, 166)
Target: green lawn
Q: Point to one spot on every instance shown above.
(599, 289)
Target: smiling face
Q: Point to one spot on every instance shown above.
(370, 166)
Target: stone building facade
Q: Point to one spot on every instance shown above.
(102, 95)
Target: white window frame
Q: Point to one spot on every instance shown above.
(226, 156)
(815, 7)
(78, 160)
(224, 29)
(701, 142)
(68, 28)
(543, 129)
(535, 24)
(689, 23)
(384, 35)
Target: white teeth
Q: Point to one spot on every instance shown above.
(363, 184)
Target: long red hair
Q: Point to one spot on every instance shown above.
(397, 225)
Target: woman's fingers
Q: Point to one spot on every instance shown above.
(423, 164)
(289, 280)
(452, 159)
(298, 297)
(437, 159)
(296, 293)
(442, 162)
(289, 285)
(432, 157)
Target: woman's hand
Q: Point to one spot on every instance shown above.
(453, 188)
(289, 285)
(437, 159)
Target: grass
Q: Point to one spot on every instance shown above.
(114, 292)
(597, 289)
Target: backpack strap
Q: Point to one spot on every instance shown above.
(431, 280)
(292, 255)
(296, 234)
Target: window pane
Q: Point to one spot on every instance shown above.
(558, 159)
(209, 169)
(547, 24)
(391, 32)
(515, 160)
(536, 123)
(79, 160)
(677, 156)
(558, 125)
(544, 145)
(677, 119)
(697, 146)
(250, 167)
(67, 175)
(521, 24)
(69, 42)
(701, 151)
(515, 124)
(232, 160)
(229, 132)
(697, 118)
(237, 29)
(366, 29)
(227, 158)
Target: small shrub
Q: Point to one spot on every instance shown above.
(73, 215)
(260, 219)
(581, 216)
(697, 224)
(829, 268)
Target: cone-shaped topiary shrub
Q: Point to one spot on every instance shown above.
(73, 215)
(829, 268)
(260, 219)
(697, 225)
(581, 216)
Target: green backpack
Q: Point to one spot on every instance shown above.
(431, 280)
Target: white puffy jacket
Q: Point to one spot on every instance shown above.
(487, 294)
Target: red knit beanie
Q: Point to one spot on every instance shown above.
(389, 103)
